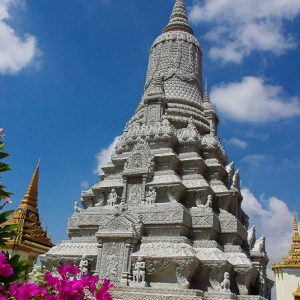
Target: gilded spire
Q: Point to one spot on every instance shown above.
(31, 195)
(179, 20)
(295, 229)
(293, 258)
(27, 217)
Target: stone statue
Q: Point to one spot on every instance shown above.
(139, 271)
(209, 203)
(77, 209)
(225, 285)
(112, 198)
(251, 237)
(151, 196)
(84, 266)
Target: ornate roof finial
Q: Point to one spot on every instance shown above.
(295, 228)
(31, 195)
(179, 19)
(205, 87)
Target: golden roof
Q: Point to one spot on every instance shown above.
(297, 293)
(26, 215)
(293, 258)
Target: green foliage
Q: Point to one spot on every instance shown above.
(3, 168)
(20, 267)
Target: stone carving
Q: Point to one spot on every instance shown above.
(77, 209)
(135, 194)
(141, 158)
(260, 245)
(251, 237)
(236, 181)
(139, 271)
(84, 266)
(112, 198)
(188, 135)
(225, 284)
(230, 171)
(151, 196)
(209, 203)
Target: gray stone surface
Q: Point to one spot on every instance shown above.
(165, 220)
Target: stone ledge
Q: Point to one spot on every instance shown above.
(147, 293)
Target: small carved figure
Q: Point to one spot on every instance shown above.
(77, 209)
(139, 270)
(84, 266)
(236, 181)
(112, 198)
(209, 203)
(225, 285)
(230, 171)
(251, 237)
(151, 196)
(260, 245)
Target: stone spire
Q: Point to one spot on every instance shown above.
(178, 19)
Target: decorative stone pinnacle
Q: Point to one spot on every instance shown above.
(179, 20)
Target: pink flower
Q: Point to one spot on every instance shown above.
(103, 294)
(27, 291)
(2, 135)
(70, 270)
(7, 201)
(5, 268)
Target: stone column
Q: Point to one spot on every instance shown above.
(99, 258)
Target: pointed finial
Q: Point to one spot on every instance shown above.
(31, 195)
(179, 19)
(295, 227)
(205, 87)
(206, 97)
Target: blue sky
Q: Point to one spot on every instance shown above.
(72, 75)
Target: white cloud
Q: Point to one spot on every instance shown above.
(241, 27)
(16, 52)
(84, 185)
(274, 221)
(104, 156)
(238, 142)
(253, 100)
(255, 160)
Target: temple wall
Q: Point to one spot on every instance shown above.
(287, 281)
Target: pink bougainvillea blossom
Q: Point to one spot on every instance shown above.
(2, 135)
(65, 286)
(27, 291)
(103, 294)
(69, 270)
(7, 201)
(5, 268)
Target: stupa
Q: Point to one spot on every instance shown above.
(165, 221)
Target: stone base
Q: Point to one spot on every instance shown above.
(155, 293)
(251, 298)
(137, 284)
(219, 296)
